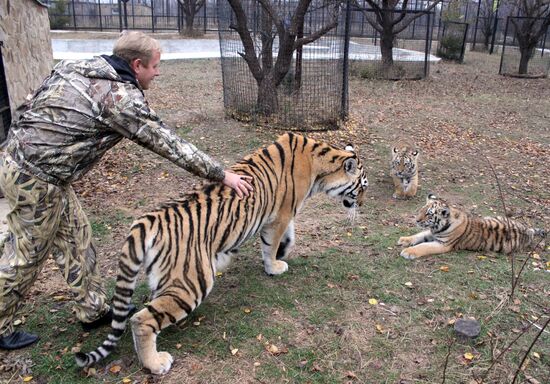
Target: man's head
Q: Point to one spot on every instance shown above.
(142, 53)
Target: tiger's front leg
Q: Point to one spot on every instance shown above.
(271, 236)
(425, 249)
(421, 237)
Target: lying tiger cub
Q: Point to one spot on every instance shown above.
(404, 169)
(449, 229)
(182, 245)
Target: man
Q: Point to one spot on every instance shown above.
(79, 112)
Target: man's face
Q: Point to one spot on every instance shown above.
(146, 73)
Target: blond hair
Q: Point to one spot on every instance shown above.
(133, 45)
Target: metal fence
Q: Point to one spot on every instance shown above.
(411, 47)
(452, 42)
(150, 15)
(518, 59)
(312, 95)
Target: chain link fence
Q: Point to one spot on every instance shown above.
(524, 53)
(312, 95)
(452, 42)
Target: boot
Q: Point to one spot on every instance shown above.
(17, 340)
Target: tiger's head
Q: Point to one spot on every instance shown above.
(404, 162)
(349, 182)
(435, 215)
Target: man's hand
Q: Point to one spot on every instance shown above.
(240, 183)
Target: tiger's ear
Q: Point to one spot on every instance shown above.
(350, 148)
(350, 165)
(415, 153)
(394, 150)
(445, 212)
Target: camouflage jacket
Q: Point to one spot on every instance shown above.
(83, 109)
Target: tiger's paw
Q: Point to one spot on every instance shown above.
(404, 241)
(408, 254)
(277, 267)
(161, 364)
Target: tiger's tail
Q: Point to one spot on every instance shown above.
(129, 265)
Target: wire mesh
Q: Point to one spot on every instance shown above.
(519, 58)
(452, 42)
(411, 46)
(311, 96)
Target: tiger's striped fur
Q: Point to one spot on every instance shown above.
(183, 244)
(404, 169)
(449, 229)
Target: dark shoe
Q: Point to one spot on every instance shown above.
(105, 319)
(17, 340)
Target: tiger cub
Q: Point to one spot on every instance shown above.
(404, 169)
(449, 229)
(182, 244)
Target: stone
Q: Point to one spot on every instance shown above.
(467, 328)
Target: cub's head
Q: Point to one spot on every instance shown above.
(349, 181)
(435, 215)
(404, 161)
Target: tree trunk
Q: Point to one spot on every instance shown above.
(189, 23)
(267, 102)
(386, 49)
(526, 54)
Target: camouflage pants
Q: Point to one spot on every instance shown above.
(45, 219)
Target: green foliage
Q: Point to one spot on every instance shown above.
(450, 47)
(59, 18)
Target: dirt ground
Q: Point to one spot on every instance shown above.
(469, 123)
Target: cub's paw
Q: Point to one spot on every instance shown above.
(408, 253)
(404, 241)
(277, 268)
(161, 364)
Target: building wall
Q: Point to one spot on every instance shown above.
(27, 50)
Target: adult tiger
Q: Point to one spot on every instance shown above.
(404, 169)
(183, 244)
(449, 229)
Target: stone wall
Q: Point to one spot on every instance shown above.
(27, 50)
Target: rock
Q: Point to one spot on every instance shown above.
(467, 327)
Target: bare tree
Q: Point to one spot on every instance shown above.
(190, 9)
(486, 20)
(269, 55)
(530, 28)
(390, 18)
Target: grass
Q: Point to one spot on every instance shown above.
(319, 314)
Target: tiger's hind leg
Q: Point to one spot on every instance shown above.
(287, 242)
(161, 312)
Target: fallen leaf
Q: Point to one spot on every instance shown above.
(234, 351)
(379, 328)
(126, 380)
(468, 356)
(536, 354)
(444, 268)
(115, 369)
(247, 310)
(26, 379)
(373, 301)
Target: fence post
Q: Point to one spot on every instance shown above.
(120, 15)
(153, 15)
(100, 16)
(477, 21)
(428, 44)
(495, 28)
(503, 45)
(464, 43)
(74, 15)
(345, 68)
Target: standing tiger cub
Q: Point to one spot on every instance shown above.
(183, 244)
(449, 229)
(404, 169)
